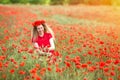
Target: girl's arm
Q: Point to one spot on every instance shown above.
(36, 45)
(52, 45)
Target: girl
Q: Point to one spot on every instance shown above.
(43, 38)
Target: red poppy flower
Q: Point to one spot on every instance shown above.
(21, 72)
(42, 71)
(84, 65)
(37, 65)
(91, 69)
(58, 69)
(78, 66)
(56, 53)
(33, 71)
(12, 71)
(30, 51)
(22, 63)
(24, 57)
(89, 52)
(38, 78)
(112, 73)
(101, 42)
(110, 79)
(99, 78)
(49, 69)
(85, 79)
(4, 76)
(102, 64)
(106, 69)
(1, 64)
(116, 61)
(109, 61)
(38, 22)
(2, 57)
(4, 49)
(68, 64)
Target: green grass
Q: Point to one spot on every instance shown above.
(62, 19)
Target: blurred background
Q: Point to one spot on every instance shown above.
(63, 2)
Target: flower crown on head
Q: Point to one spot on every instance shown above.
(38, 22)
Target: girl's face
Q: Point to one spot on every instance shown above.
(40, 29)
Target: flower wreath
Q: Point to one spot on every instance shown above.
(38, 22)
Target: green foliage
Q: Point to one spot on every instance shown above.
(47, 2)
(62, 2)
(37, 1)
(5, 1)
(15, 1)
(24, 1)
(55, 2)
(73, 2)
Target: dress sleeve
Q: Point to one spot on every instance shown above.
(49, 36)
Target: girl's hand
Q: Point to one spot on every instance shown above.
(45, 54)
(48, 54)
(41, 53)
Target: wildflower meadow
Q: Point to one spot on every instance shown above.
(87, 43)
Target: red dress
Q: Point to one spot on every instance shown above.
(44, 41)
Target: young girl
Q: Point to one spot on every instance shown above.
(43, 38)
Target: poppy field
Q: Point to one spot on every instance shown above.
(87, 40)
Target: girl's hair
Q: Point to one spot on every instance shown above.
(46, 29)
